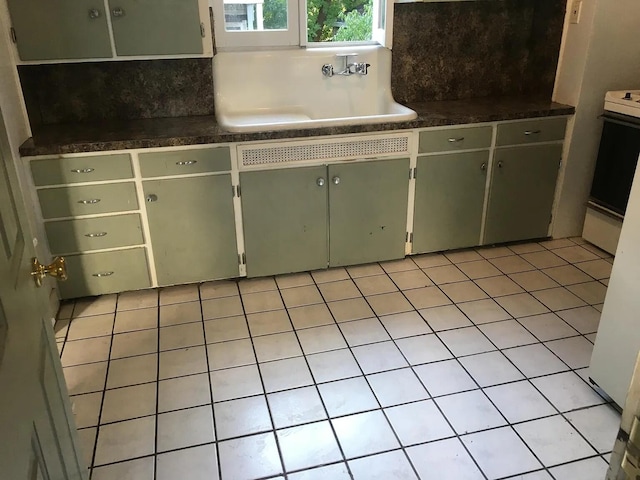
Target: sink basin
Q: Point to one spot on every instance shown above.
(285, 89)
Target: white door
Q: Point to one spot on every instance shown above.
(37, 432)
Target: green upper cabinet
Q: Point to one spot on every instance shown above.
(61, 29)
(156, 27)
(449, 201)
(523, 185)
(192, 228)
(285, 220)
(367, 211)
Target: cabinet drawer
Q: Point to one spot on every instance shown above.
(455, 139)
(57, 171)
(105, 272)
(531, 131)
(182, 162)
(87, 200)
(94, 233)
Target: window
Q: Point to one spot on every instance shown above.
(268, 23)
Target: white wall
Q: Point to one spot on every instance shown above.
(600, 53)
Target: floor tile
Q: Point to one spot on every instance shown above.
(519, 401)
(129, 402)
(445, 318)
(275, 321)
(308, 445)
(490, 368)
(94, 326)
(362, 332)
(262, 301)
(131, 320)
(181, 336)
(135, 343)
(418, 422)
(179, 294)
(598, 269)
(277, 346)
(461, 256)
(87, 442)
(554, 440)
(352, 309)
(197, 463)
(410, 279)
(340, 290)
(584, 319)
(548, 326)
(88, 306)
(558, 299)
(185, 428)
(479, 269)
(591, 292)
(183, 312)
(427, 297)
(521, 305)
(402, 265)
(250, 457)
(567, 391)
(348, 396)
(88, 350)
(183, 392)
(223, 329)
(527, 247)
(575, 254)
(301, 296)
(447, 457)
(140, 469)
(463, 291)
(383, 467)
(494, 252)
(557, 243)
(466, 341)
(430, 260)
(294, 407)
(389, 303)
(405, 324)
(396, 387)
(599, 425)
(544, 259)
(513, 264)
(500, 453)
(589, 469)
(221, 307)
(125, 440)
(311, 316)
(294, 280)
(445, 274)
(364, 434)
(469, 412)
(507, 334)
(86, 409)
(533, 280)
(285, 374)
(132, 370)
(230, 354)
(365, 270)
(85, 378)
(218, 289)
(330, 275)
(242, 416)
(483, 311)
(567, 275)
(423, 349)
(535, 360)
(60, 329)
(253, 285)
(375, 285)
(237, 382)
(499, 286)
(444, 378)
(138, 299)
(322, 339)
(336, 471)
(378, 357)
(595, 250)
(334, 365)
(178, 363)
(574, 351)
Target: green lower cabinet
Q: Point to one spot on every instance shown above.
(367, 211)
(449, 201)
(192, 228)
(523, 185)
(285, 220)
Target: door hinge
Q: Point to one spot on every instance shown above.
(14, 38)
(406, 238)
(242, 259)
(202, 30)
(411, 237)
(235, 191)
(238, 191)
(412, 173)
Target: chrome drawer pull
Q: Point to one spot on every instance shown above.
(187, 162)
(82, 170)
(532, 132)
(89, 202)
(456, 140)
(103, 274)
(96, 234)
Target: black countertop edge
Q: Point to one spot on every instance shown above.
(181, 131)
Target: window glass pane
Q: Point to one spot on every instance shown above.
(255, 15)
(339, 20)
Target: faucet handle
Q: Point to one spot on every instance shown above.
(327, 70)
(362, 68)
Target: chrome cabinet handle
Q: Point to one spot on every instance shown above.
(82, 170)
(95, 234)
(499, 164)
(103, 274)
(152, 198)
(456, 139)
(187, 162)
(117, 12)
(94, 13)
(483, 167)
(89, 202)
(320, 182)
(335, 180)
(531, 132)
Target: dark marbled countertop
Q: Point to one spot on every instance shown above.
(165, 132)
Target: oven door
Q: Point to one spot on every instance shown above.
(616, 164)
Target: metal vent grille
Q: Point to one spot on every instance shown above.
(321, 151)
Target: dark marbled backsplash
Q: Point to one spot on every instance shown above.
(122, 90)
(458, 50)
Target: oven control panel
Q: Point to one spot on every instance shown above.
(626, 102)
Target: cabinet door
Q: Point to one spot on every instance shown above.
(523, 184)
(368, 211)
(192, 228)
(156, 27)
(285, 220)
(64, 29)
(449, 201)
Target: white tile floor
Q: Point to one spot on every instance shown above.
(463, 365)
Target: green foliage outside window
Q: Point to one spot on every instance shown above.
(338, 20)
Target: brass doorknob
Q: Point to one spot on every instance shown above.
(57, 269)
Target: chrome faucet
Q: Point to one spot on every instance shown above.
(357, 68)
